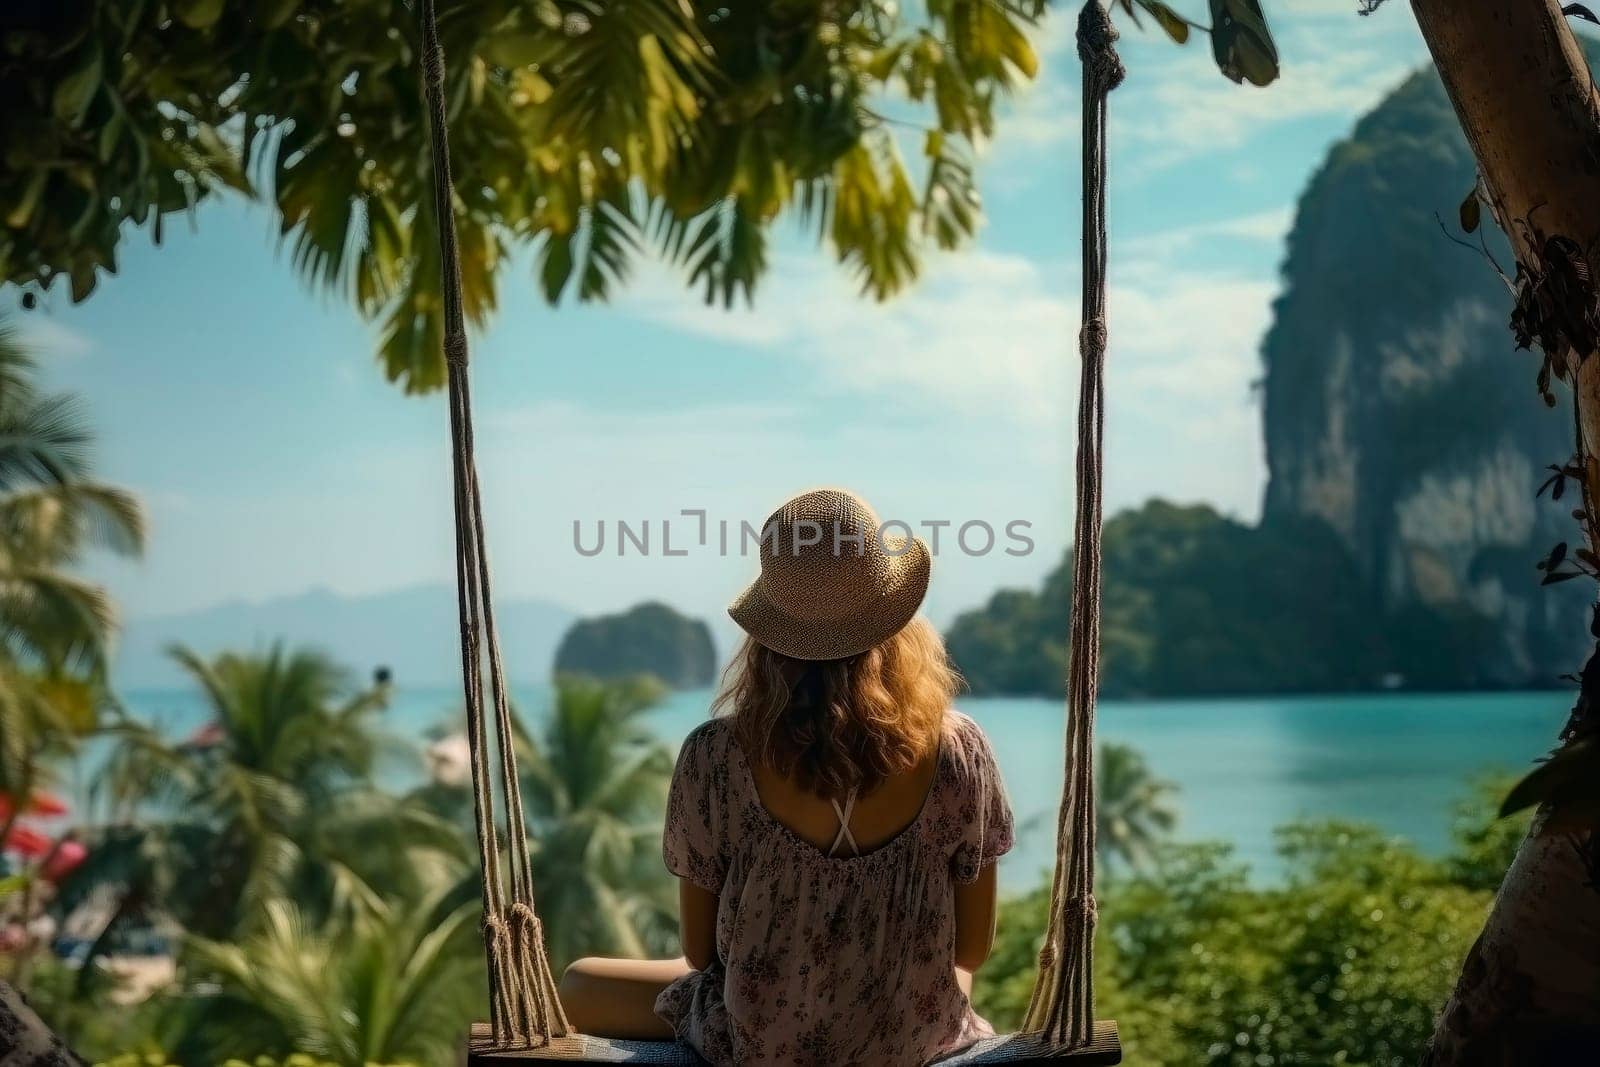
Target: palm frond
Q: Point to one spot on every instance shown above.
(52, 619)
(873, 209)
(727, 253)
(55, 523)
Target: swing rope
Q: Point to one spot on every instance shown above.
(523, 1006)
(525, 1010)
(1062, 1005)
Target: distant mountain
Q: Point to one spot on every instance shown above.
(650, 638)
(410, 631)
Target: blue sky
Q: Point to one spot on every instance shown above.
(250, 413)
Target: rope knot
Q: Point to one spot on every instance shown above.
(455, 352)
(495, 931)
(1047, 958)
(1092, 336)
(1097, 51)
(525, 921)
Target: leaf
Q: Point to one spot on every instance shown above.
(110, 134)
(23, 209)
(1562, 774)
(76, 91)
(1241, 42)
(199, 14)
(278, 12)
(1581, 12)
(555, 266)
(1471, 211)
(951, 207)
(1557, 554)
(728, 253)
(1176, 25)
(513, 50)
(74, 700)
(83, 279)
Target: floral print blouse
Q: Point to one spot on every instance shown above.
(829, 960)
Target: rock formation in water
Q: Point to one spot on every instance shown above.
(1395, 407)
(648, 639)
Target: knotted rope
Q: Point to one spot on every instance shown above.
(1062, 1006)
(523, 1006)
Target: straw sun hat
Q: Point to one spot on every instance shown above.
(833, 582)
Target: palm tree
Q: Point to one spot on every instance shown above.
(398, 985)
(1134, 809)
(271, 799)
(55, 627)
(595, 787)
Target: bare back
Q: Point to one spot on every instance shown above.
(875, 817)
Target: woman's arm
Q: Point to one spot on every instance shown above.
(697, 923)
(975, 908)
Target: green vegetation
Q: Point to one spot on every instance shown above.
(155, 1059)
(648, 639)
(397, 984)
(1197, 603)
(593, 133)
(1345, 962)
(317, 914)
(594, 788)
(55, 626)
(272, 799)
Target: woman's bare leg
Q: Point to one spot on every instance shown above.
(617, 998)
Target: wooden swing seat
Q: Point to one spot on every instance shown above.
(1106, 1048)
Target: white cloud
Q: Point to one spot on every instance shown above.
(1268, 227)
(1192, 109)
(1043, 114)
(1175, 105)
(988, 332)
(980, 331)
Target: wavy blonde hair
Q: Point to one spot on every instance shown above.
(833, 726)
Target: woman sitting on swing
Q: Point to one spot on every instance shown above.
(834, 830)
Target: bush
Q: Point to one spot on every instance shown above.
(1346, 962)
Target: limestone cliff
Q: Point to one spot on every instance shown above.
(1395, 407)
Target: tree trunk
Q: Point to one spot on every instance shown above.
(1530, 990)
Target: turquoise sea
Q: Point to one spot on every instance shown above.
(1243, 766)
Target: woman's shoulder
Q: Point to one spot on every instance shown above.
(709, 743)
(963, 740)
(969, 816)
(966, 759)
